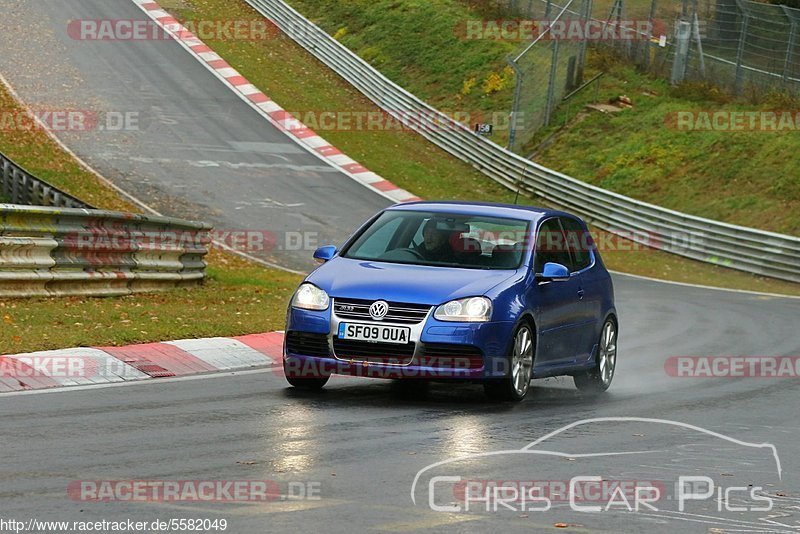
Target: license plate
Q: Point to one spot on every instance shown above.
(377, 333)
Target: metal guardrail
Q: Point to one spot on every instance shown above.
(57, 245)
(737, 247)
(20, 187)
(47, 251)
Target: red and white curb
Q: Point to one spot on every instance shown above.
(275, 114)
(106, 365)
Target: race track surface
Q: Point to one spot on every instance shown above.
(199, 151)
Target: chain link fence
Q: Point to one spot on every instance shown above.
(547, 68)
(747, 48)
(744, 47)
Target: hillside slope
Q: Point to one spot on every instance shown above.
(748, 178)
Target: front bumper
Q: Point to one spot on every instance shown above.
(485, 346)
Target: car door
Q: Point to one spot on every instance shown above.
(558, 304)
(589, 293)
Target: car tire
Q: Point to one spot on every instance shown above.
(308, 383)
(598, 379)
(516, 385)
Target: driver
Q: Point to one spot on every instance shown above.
(435, 245)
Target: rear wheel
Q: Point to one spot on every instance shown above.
(599, 378)
(515, 386)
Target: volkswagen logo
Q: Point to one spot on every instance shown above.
(378, 309)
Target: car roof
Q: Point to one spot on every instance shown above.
(487, 209)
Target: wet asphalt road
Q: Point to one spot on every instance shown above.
(195, 150)
(360, 443)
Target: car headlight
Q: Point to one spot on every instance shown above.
(472, 309)
(310, 297)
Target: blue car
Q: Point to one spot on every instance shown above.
(493, 293)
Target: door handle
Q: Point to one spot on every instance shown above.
(581, 293)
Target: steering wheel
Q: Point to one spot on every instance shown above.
(416, 253)
(402, 254)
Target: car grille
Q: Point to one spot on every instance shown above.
(447, 356)
(391, 353)
(398, 312)
(307, 344)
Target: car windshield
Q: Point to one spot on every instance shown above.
(442, 239)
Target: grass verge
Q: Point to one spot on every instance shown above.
(238, 298)
(279, 67)
(37, 153)
(745, 178)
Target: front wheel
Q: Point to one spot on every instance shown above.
(306, 381)
(599, 378)
(515, 386)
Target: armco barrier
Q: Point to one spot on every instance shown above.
(57, 245)
(738, 247)
(20, 187)
(47, 251)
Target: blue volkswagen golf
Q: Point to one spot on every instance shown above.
(493, 293)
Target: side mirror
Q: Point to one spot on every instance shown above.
(553, 272)
(323, 254)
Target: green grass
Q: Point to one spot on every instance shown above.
(238, 298)
(601, 9)
(420, 44)
(745, 178)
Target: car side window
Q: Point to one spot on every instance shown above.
(551, 246)
(579, 243)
